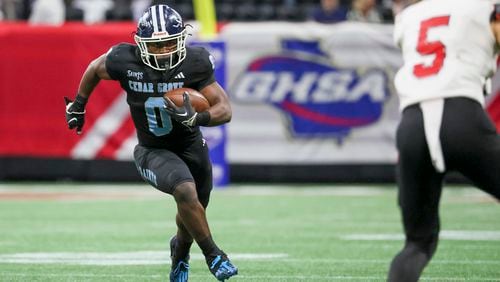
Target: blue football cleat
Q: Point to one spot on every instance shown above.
(180, 268)
(222, 268)
(180, 272)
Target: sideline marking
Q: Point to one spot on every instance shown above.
(242, 277)
(123, 258)
(456, 194)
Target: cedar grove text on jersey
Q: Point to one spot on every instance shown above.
(148, 87)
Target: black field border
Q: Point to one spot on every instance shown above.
(54, 169)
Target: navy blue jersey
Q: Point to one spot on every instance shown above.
(145, 88)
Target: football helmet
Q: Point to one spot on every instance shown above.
(161, 37)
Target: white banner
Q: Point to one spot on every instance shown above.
(311, 93)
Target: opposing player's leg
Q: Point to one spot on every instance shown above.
(419, 192)
(477, 155)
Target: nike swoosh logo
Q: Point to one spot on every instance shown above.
(183, 115)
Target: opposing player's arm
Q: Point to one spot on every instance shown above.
(397, 35)
(495, 27)
(220, 108)
(495, 24)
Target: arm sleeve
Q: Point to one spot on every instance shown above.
(113, 63)
(204, 69)
(398, 30)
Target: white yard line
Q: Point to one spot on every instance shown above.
(162, 257)
(77, 275)
(239, 277)
(123, 258)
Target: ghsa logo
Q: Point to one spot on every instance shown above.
(319, 100)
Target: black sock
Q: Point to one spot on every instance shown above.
(182, 249)
(208, 247)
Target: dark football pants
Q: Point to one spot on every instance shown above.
(165, 169)
(470, 146)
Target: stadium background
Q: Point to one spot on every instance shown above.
(321, 121)
(312, 102)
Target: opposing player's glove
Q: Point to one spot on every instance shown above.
(184, 114)
(75, 113)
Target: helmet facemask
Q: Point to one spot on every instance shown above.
(162, 52)
(161, 38)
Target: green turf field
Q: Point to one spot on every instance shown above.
(69, 232)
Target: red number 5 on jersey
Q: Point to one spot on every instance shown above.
(425, 47)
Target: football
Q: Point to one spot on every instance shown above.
(198, 101)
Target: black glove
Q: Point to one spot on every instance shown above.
(75, 113)
(184, 114)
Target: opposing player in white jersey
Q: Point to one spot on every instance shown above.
(449, 51)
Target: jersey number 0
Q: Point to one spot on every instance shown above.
(425, 47)
(159, 121)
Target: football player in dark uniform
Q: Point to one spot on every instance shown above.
(171, 155)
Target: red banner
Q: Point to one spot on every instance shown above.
(38, 67)
(41, 65)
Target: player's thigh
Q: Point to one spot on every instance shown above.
(419, 185)
(471, 143)
(161, 168)
(484, 171)
(197, 158)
